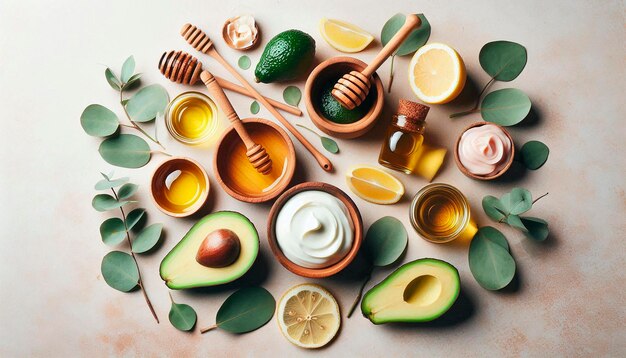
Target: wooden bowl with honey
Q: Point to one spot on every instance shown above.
(326, 112)
(235, 173)
(179, 187)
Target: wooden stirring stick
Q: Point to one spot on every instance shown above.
(352, 89)
(201, 42)
(257, 155)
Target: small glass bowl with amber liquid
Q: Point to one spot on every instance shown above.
(191, 118)
(440, 213)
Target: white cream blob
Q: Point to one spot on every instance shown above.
(314, 229)
(484, 150)
(242, 31)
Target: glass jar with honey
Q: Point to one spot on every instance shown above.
(404, 137)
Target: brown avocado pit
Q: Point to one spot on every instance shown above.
(220, 248)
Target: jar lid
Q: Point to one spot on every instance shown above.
(413, 111)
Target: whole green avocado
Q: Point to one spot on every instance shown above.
(287, 56)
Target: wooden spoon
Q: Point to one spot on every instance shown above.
(352, 89)
(201, 42)
(255, 152)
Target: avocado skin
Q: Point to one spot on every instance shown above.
(286, 57)
(331, 109)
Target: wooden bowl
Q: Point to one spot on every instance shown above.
(483, 177)
(230, 44)
(236, 174)
(328, 72)
(157, 183)
(355, 217)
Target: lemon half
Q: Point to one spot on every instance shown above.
(436, 73)
(343, 36)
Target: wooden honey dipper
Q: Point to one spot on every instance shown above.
(201, 42)
(352, 89)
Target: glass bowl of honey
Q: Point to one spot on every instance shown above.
(179, 187)
(191, 118)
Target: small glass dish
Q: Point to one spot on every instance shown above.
(191, 118)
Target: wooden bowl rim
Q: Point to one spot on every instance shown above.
(197, 205)
(483, 177)
(355, 216)
(229, 43)
(278, 189)
(349, 130)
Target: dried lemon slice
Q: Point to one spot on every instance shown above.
(308, 316)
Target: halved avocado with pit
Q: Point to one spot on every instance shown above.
(180, 269)
(418, 291)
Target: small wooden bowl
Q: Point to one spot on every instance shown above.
(483, 177)
(329, 71)
(355, 217)
(230, 44)
(234, 172)
(157, 182)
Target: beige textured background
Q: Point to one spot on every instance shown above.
(570, 295)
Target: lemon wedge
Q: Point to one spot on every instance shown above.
(343, 36)
(374, 185)
(436, 73)
(308, 316)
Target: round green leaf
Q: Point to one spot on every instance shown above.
(147, 103)
(99, 121)
(385, 241)
(182, 316)
(133, 217)
(133, 79)
(112, 79)
(246, 310)
(127, 69)
(112, 231)
(516, 222)
(254, 107)
(292, 95)
(125, 150)
(503, 60)
(536, 229)
(244, 62)
(414, 41)
(518, 201)
(534, 154)
(494, 208)
(147, 238)
(330, 145)
(119, 271)
(505, 107)
(496, 236)
(106, 184)
(127, 190)
(491, 264)
(104, 202)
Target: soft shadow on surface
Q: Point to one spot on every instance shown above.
(256, 276)
(461, 311)
(533, 118)
(468, 96)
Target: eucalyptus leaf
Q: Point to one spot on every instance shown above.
(119, 271)
(244, 62)
(496, 236)
(132, 80)
(182, 316)
(494, 208)
(536, 229)
(113, 81)
(330, 145)
(127, 190)
(246, 310)
(518, 201)
(534, 154)
(127, 69)
(99, 121)
(292, 95)
(104, 202)
(505, 107)
(147, 103)
(254, 107)
(125, 150)
(147, 238)
(503, 60)
(134, 217)
(106, 184)
(491, 264)
(516, 222)
(414, 41)
(112, 231)
(385, 241)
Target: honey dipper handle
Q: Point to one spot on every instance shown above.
(223, 102)
(411, 23)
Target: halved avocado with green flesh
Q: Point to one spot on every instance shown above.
(418, 291)
(180, 270)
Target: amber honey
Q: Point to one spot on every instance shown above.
(180, 186)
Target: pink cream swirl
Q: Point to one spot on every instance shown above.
(484, 150)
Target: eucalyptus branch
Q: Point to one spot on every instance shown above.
(133, 124)
(474, 109)
(140, 281)
(358, 297)
(393, 57)
(206, 329)
(534, 201)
